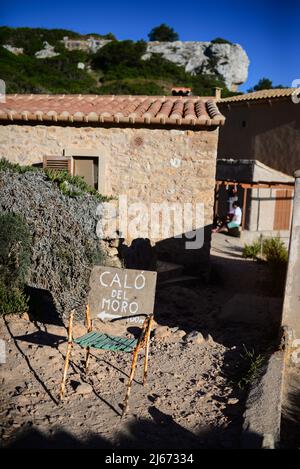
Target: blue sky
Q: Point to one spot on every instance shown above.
(268, 30)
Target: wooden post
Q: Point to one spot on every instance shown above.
(133, 366)
(68, 354)
(244, 207)
(217, 193)
(147, 349)
(89, 326)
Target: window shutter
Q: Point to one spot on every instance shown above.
(57, 163)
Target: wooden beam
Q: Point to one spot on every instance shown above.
(244, 208)
(257, 185)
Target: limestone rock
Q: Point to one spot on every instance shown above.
(46, 52)
(14, 50)
(228, 60)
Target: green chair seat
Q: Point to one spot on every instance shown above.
(101, 341)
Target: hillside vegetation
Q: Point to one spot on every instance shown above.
(117, 68)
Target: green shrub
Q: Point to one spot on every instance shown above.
(73, 186)
(15, 253)
(15, 167)
(250, 367)
(275, 251)
(252, 251)
(220, 40)
(276, 255)
(115, 53)
(12, 300)
(15, 249)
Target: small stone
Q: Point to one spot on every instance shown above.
(162, 332)
(194, 337)
(84, 388)
(232, 401)
(179, 334)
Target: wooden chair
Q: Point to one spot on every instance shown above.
(102, 341)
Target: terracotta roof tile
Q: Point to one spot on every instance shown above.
(149, 110)
(263, 94)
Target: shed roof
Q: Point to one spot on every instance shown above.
(176, 111)
(245, 170)
(275, 93)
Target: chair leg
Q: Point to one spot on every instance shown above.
(133, 367)
(68, 354)
(87, 358)
(89, 325)
(147, 350)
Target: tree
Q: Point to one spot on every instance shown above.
(126, 53)
(264, 84)
(163, 33)
(220, 40)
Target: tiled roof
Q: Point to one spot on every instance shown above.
(263, 94)
(148, 110)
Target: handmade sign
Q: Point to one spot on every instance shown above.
(116, 293)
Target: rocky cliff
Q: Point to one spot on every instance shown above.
(228, 60)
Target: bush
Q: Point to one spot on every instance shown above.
(252, 251)
(220, 40)
(71, 186)
(15, 254)
(15, 249)
(65, 244)
(276, 255)
(12, 300)
(115, 53)
(15, 167)
(275, 251)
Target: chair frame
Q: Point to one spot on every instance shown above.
(143, 342)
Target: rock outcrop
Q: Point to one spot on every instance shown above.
(230, 61)
(14, 50)
(46, 52)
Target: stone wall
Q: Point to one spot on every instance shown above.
(262, 131)
(147, 165)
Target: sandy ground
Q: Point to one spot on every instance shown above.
(191, 400)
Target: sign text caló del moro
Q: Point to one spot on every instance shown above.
(116, 293)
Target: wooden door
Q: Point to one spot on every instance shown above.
(283, 206)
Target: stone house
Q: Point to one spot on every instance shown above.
(263, 126)
(153, 149)
(264, 194)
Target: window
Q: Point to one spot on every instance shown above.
(88, 168)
